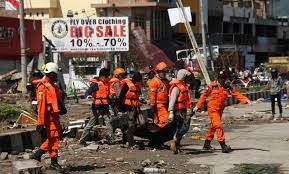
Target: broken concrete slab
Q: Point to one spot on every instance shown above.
(93, 147)
(27, 166)
(19, 140)
(4, 155)
(99, 132)
(16, 142)
(7, 75)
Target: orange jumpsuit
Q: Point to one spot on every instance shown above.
(218, 96)
(158, 95)
(48, 115)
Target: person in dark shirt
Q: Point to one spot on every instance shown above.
(195, 85)
(129, 103)
(99, 92)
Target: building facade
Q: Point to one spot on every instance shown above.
(249, 29)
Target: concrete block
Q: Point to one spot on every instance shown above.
(27, 140)
(36, 139)
(27, 166)
(19, 140)
(99, 132)
(5, 143)
(4, 155)
(16, 142)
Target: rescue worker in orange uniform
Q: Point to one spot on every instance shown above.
(99, 92)
(158, 95)
(129, 102)
(115, 85)
(180, 107)
(159, 100)
(49, 111)
(36, 79)
(218, 92)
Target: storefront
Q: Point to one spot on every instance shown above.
(10, 42)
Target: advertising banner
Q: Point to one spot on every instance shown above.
(99, 34)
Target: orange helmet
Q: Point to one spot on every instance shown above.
(118, 71)
(162, 66)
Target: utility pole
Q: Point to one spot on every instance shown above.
(23, 48)
(203, 33)
(193, 42)
(111, 54)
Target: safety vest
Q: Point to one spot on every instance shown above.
(101, 96)
(53, 96)
(133, 93)
(183, 100)
(162, 91)
(112, 83)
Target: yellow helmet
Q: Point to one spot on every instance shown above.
(162, 66)
(118, 71)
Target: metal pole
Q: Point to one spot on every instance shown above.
(23, 48)
(193, 41)
(203, 33)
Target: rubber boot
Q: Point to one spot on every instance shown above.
(225, 148)
(38, 154)
(54, 165)
(207, 145)
(82, 143)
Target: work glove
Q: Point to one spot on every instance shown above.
(189, 112)
(42, 131)
(171, 116)
(89, 97)
(195, 109)
(248, 102)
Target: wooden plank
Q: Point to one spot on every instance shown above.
(194, 42)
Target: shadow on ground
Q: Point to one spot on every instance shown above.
(255, 169)
(83, 168)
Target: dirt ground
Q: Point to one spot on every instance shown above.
(97, 158)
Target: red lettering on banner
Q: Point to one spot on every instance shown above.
(122, 31)
(79, 31)
(108, 31)
(88, 31)
(115, 31)
(73, 31)
(99, 32)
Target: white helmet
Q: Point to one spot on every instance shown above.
(182, 73)
(51, 67)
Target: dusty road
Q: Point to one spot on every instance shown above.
(257, 142)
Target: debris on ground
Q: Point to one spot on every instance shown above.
(26, 166)
(25, 119)
(4, 155)
(146, 162)
(154, 170)
(255, 168)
